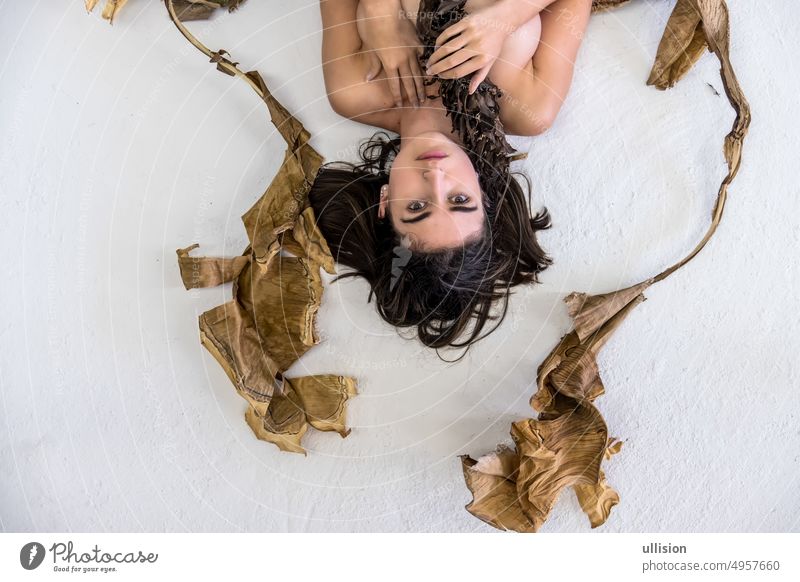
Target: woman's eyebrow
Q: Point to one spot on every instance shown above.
(422, 216)
(425, 215)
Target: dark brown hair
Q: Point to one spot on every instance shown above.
(439, 292)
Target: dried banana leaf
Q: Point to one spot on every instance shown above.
(596, 499)
(323, 399)
(230, 335)
(602, 5)
(284, 297)
(306, 241)
(208, 271)
(493, 482)
(185, 9)
(565, 445)
(319, 401)
(270, 322)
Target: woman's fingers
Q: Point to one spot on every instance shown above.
(478, 77)
(374, 68)
(470, 65)
(409, 85)
(394, 86)
(449, 33)
(416, 72)
(446, 64)
(446, 50)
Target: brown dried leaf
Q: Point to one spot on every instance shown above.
(208, 271)
(492, 481)
(516, 489)
(557, 453)
(270, 322)
(111, 8)
(294, 133)
(613, 447)
(596, 500)
(571, 368)
(603, 5)
(284, 425)
(276, 211)
(316, 400)
(229, 334)
(280, 206)
(589, 313)
(305, 240)
(276, 297)
(323, 398)
(682, 44)
(186, 10)
(283, 298)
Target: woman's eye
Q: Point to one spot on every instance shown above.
(460, 199)
(416, 206)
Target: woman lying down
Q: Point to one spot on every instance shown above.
(433, 219)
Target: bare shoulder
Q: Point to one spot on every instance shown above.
(351, 96)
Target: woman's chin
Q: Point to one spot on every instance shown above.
(436, 135)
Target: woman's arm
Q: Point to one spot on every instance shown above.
(345, 66)
(542, 94)
(385, 29)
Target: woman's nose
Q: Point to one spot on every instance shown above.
(434, 178)
(433, 171)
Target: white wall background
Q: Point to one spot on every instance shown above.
(121, 144)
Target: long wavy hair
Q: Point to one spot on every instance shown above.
(439, 292)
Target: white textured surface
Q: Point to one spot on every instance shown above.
(121, 144)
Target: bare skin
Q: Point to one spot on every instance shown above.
(526, 47)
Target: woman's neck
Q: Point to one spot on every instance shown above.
(429, 117)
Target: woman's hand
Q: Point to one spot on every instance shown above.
(472, 45)
(388, 34)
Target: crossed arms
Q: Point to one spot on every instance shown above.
(469, 47)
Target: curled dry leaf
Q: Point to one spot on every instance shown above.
(185, 9)
(319, 401)
(565, 445)
(270, 322)
(602, 5)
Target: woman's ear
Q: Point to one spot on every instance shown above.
(384, 201)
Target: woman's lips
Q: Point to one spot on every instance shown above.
(432, 155)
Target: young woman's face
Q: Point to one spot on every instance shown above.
(434, 198)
